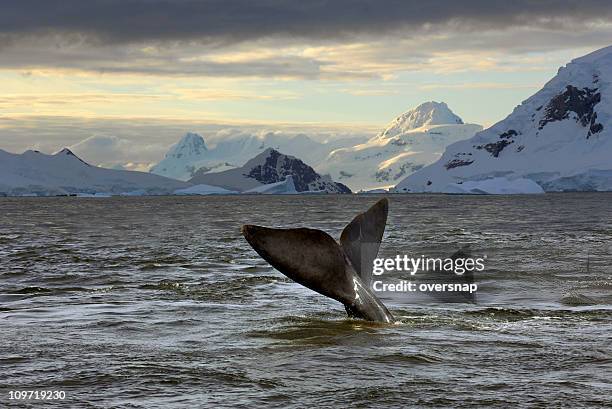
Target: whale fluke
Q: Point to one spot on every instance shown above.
(307, 256)
(361, 238)
(314, 259)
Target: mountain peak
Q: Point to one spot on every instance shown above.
(65, 151)
(268, 152)
(191, 144)
(68, 153)
(271, 167)
(192, 136)
(428, 113)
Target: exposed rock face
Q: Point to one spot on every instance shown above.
(276, 167)
(389, 175)
(495, 148)
(268, 167)
(579, 101)
(455, 163)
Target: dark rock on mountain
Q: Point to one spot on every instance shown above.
(271, 166)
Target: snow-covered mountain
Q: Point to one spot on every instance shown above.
(411, 141)
(561, 137)
(183, 158)
(64, 173)
(269, 167)
(428, 113)
(191, 153)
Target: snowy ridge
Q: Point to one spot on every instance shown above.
(561, 137)
(35, 173)
(411, 141)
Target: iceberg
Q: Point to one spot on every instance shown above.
(495, 186)
(202, 190)
(285, 187)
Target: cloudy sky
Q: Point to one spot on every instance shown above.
(146, 71)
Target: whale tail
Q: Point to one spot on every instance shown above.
(361, 238)
(315, 260)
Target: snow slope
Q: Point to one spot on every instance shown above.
(270, 166)
(37, 173)
(191, 153)
(411, 141)
(561, 137)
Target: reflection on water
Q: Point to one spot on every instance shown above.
(159, 302)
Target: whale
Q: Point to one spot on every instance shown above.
(341, 270)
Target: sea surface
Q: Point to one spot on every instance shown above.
(158, 302)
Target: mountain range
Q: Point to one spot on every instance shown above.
(559, 138)
(412, 140)
(191, 153)
(64, 173)
(33, 172)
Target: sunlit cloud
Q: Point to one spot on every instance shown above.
(441, 50)
(220, 94)
(477, 85)
(370, 92)
(272, 62)
(118, 152)
(20, 100)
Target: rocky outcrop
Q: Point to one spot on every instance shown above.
(271, 166)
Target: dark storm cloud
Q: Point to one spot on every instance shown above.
(253, 38)
(223, 21)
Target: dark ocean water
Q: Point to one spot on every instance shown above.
(159, 302)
